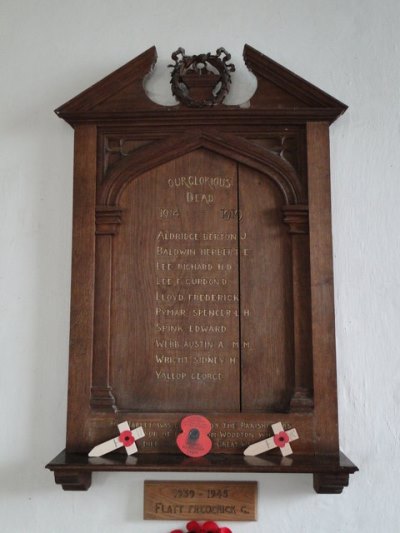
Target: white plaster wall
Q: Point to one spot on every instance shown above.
(52, 49)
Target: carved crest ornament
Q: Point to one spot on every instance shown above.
(201, 80)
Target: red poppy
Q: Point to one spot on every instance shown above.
(281, 439)
(210, 527)
(207, 527)
(126, 438)
(194, 527)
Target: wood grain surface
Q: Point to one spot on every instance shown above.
(200, 500)
(175, 311)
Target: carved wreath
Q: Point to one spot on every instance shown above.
(201, 80)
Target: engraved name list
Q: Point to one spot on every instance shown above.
(197, 303)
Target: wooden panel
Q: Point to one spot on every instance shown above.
(322, 295)
(82, 283)
(231, 432)
(175, 301)
(200, 500)
(265, 295)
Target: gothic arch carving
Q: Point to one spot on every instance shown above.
(227, 145)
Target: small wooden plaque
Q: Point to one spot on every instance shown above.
(200, 500)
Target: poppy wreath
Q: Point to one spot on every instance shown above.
(207, 527)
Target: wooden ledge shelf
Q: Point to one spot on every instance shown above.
(331, 474)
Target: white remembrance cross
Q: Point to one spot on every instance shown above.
(280, 440)
(126, 438)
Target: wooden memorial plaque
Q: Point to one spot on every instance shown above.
(202, 269)
(200, 500)
(176, 297)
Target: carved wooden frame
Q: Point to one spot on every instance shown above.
(117, 107)
(109, 216)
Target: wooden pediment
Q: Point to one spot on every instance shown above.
(120, 91)
(280, 94)
(278, 87)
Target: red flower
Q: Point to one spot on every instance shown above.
(207, 527)
(126, 438)
(194, 527)
(210, 527)
(281, 439)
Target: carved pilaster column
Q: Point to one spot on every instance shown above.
(107, 221)
(296, 217)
